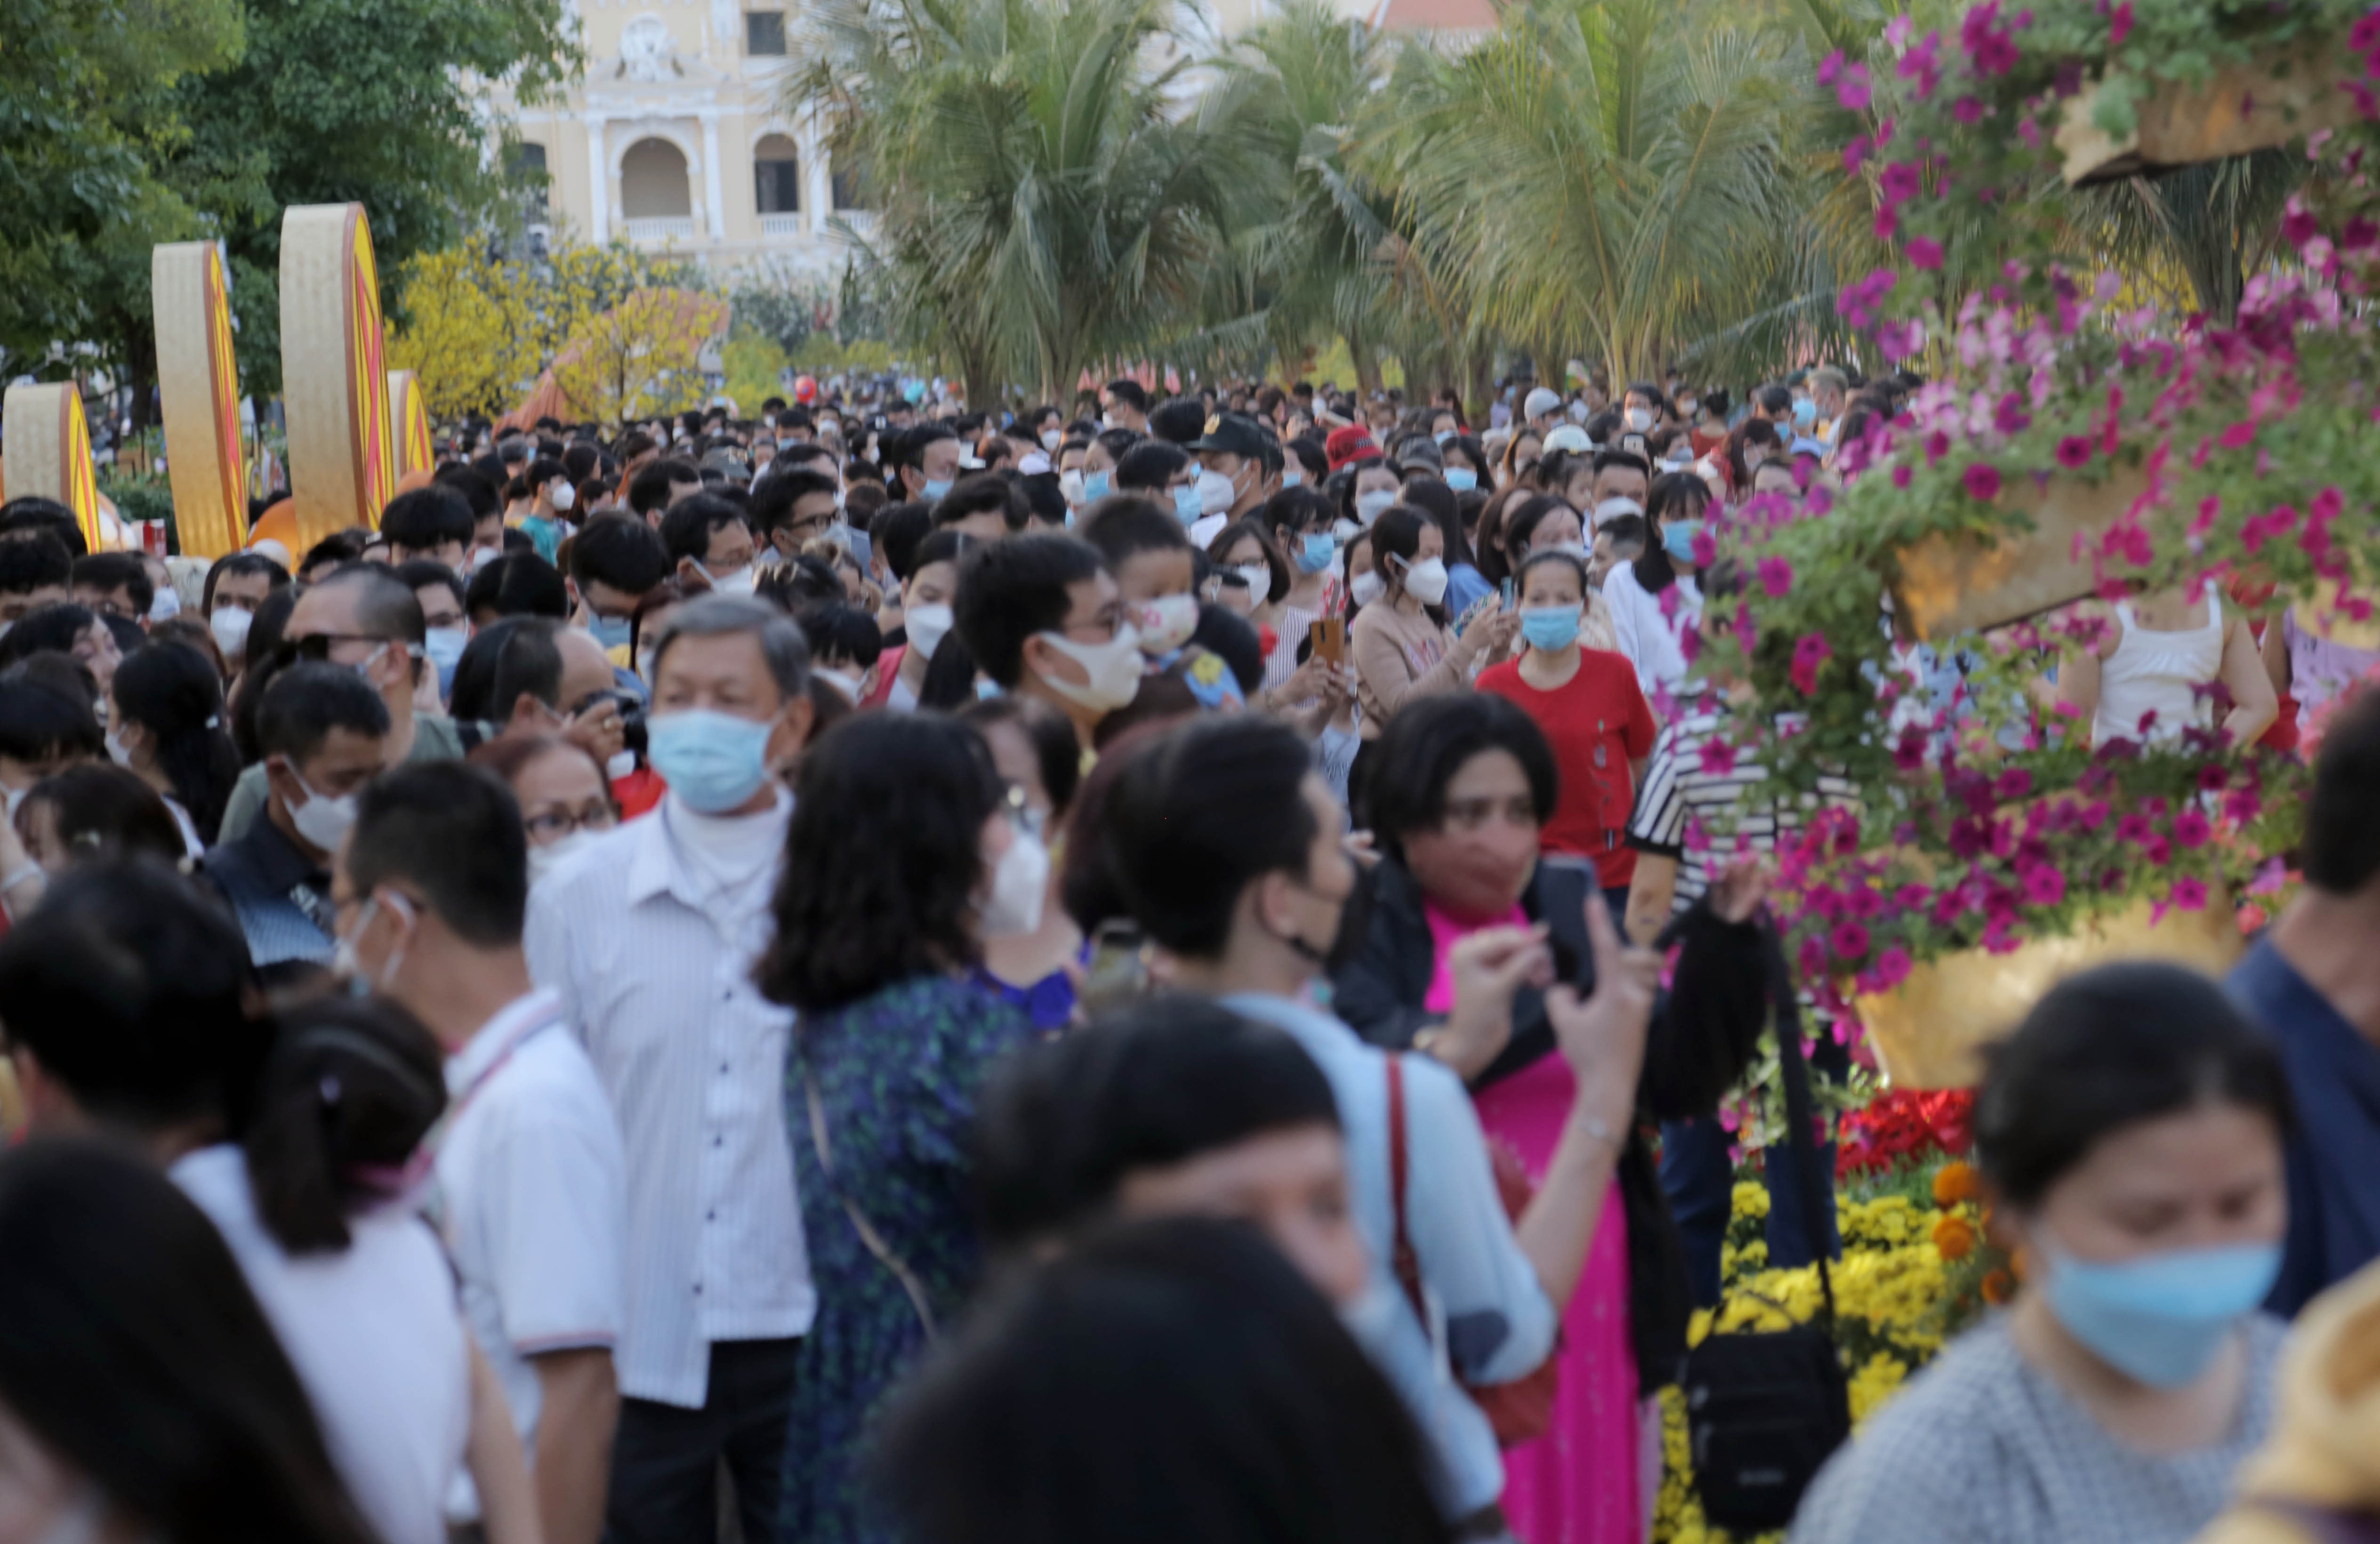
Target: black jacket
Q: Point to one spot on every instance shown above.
(1701, 1040)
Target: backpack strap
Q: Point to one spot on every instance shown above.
(1401, 1259)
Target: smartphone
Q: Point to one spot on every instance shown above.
(1117, 974)
(1507, 588)
(1329, 638)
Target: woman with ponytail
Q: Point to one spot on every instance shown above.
(166, 724)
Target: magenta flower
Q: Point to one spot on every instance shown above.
(1776, 577)
(1718, 757)
(2013, 783)
(2120, 24)
(1967, 110)
(1850, 941)
(1925, 252)
(2364, 36)
(1854, 153)
(1706, 549)
(1983, 481)
(1892, 968)
(1831, 68)
(2009, 414)
(1888, 224)
(1810, 655)
(1902, 475)
(2045, 886)
(2191, 829)
(2299, 226)
(2242, 806)
(2190, 892)
(1812, 956)
(1852, 89)
(2073, 452)
(1900, 182)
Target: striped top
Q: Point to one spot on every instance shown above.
(1680, 795)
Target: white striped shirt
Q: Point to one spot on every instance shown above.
(652, 958)
(1678, 796)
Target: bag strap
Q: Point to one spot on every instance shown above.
(1800, 1115)
(1403, 1262)
(867, 1233)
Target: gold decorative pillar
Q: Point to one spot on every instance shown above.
(409, 421)
(47, 448)
(198, 379)
(335, 387)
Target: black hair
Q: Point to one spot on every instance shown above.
(882, 859)
(350, 1087)
(477, 490)
(1679, 494)
(33, 513)
(109, 572)
(908, 448)
(241, 565)
(31, 563)
(949, 684)
(1201, 813)
(897, 531)
(2108, 1048)
(1122, 525)
(40, 719)
(1130, 392)
(131, 987)
(525, 659)
(137, 1354)
(1034, 1421)
(1010, 590)
(339, 550)
(1608, 458)
(172, 690)
(2341, 850)
(580, 458)
(841, 632)
(649, 491)
(387, 608)
(1293, 510)
(453, 831)
(1521, 521)
(1061, 1125)
(1550, 559)
(101, 810)
(418, 574)
(263, 652)
(1627, 530)
(1116, 442)
(1150, 465)
(981, 493)
(774, 497)
(517, 584)
(427, 517)
(1429, 741)
(308, 700)
(1056, 751)
(1397, 533)
(52, 629)
(472, 696)
(687, 529)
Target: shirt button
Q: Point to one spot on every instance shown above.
(698, 1289)
(718, 1141)
(722, 1069)
(710, 1217)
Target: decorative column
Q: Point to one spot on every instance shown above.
(599, 181)
(818, 197)
(714, 206)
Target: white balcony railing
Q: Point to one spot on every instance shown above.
(781, 227)
(661, 228)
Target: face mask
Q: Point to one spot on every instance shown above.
(444, 646)
(1165, 624)
(2161, 1318)
(1688, 407)
(1805, 412)
(544, 861)
(1215, 493)
(1372, 506)
(1019, 882)
(1052, 439)
(928, 627)
(323, 821)
(619, 765)
(564, 495)
(611, 632)
(13, 797)
(1461, 478)
(1070, 488)
(741, 581)
(1094, 487)
(230, 624)
(1639, 418)
(1259, 578)
(1612, 508)
(1186, 502)
(1315, 552)
(1344, 532)
(842, 681)
(1426, 581)
(1678, 539)
(713, 761)
(1443, 435)
(165, 606)
(1551, 628)
(1366, 588)
(116, 751)
(1114, 668)
(938, 487)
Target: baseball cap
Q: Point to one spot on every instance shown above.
(1570, 437)
(1544, 400)
(1349, 444)
(1231, 434)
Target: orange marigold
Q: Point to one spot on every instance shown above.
(1954, 1181)
(1953, 1238)
(1998, 1287)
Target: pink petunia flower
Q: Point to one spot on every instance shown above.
(1850, 941)
(2190, 892)
(2073, 453)
(2045, 886)
(1776, 577)
(1983, 481)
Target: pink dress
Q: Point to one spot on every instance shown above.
(1583, 1481)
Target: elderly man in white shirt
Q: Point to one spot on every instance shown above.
(532, 1187)
(648, 936)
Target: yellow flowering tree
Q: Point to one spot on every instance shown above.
(472, 333)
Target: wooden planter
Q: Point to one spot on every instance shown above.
(1929, 1032)
(2275, 99)
(1947, 586)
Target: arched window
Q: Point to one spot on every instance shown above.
(653, 182)
(776, 175)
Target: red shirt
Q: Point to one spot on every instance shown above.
(1596, 722)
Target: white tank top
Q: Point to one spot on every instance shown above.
(2157, 673)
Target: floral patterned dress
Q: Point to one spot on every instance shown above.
(897, 1076)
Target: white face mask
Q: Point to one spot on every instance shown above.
(230, 624)
(1019, 883)
(842, 681)
(1366, 588)
(1259, 578)
(1612, 508)
(164, 605)
(1426, 581)
(1114, 668)
(1070, 488)
(620, 765)
(1639, 418)
(564, 495)
(928, 626)
(323, 821)
(741, 581)
(1372, 506)
(1165, 624)
(1052, 439)
(116, 751)
(1215, 493)
(544, 861)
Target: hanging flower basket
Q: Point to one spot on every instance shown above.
(1971, 582)
(2274, 99)
(1929, 1031)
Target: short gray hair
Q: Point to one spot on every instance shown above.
(1830, 378)
(781, 643)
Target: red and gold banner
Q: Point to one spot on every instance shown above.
(334, 386)
(198, 379)
(46, 444)
(408, 420)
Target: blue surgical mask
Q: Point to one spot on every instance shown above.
(713, 761)
(1805, 411)
(611, 632)
(1550, 629)
(1461, 478)
(2161, 1318)
(937, 487)
(1678, 539)
(1315, 552)
(1186, 502)
(1094, 487)
(444, 646)
(1443, 435)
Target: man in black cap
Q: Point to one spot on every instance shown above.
(1239, 468)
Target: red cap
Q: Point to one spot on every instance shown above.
(1347, 445)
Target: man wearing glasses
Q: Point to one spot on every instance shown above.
(365, 618)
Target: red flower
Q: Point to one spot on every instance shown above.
(1983, 481)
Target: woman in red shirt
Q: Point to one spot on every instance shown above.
(1587, 703)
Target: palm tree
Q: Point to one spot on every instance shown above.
(1042, 202)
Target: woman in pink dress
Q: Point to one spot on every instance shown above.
(1461, 799)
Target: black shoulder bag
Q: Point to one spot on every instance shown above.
(1766, 1409)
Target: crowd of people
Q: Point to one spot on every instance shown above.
(875, 971)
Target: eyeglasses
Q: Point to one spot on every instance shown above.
(317, 647)
(554, 824)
